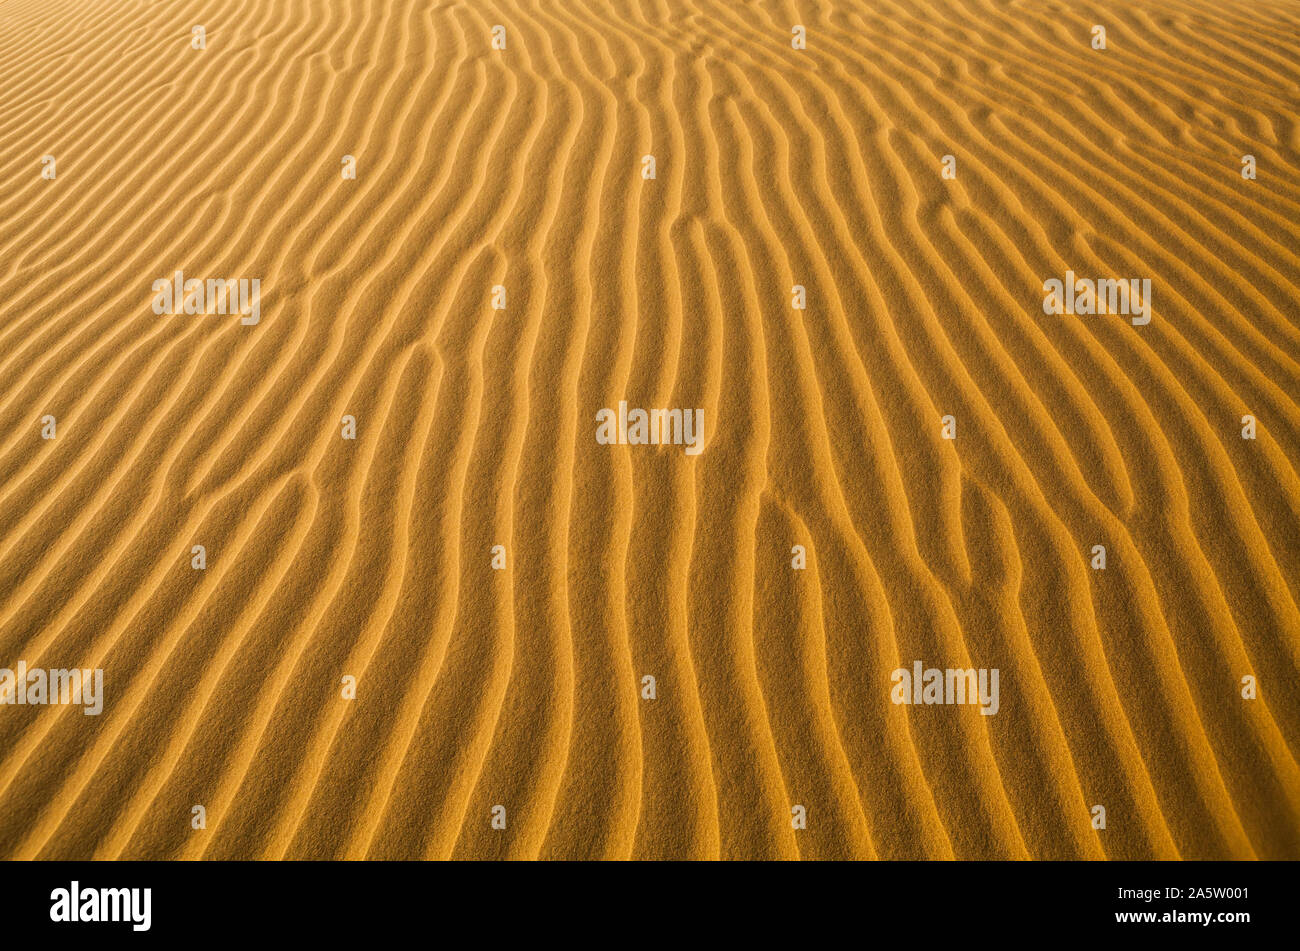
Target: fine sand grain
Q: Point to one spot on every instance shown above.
(522, 687)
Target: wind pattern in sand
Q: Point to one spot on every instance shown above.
(522, 687)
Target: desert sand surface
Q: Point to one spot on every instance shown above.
(181, 506)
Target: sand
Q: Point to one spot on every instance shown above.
(499, 271)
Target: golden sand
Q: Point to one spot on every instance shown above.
(522, 686)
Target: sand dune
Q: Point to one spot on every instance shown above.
(498, 272)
